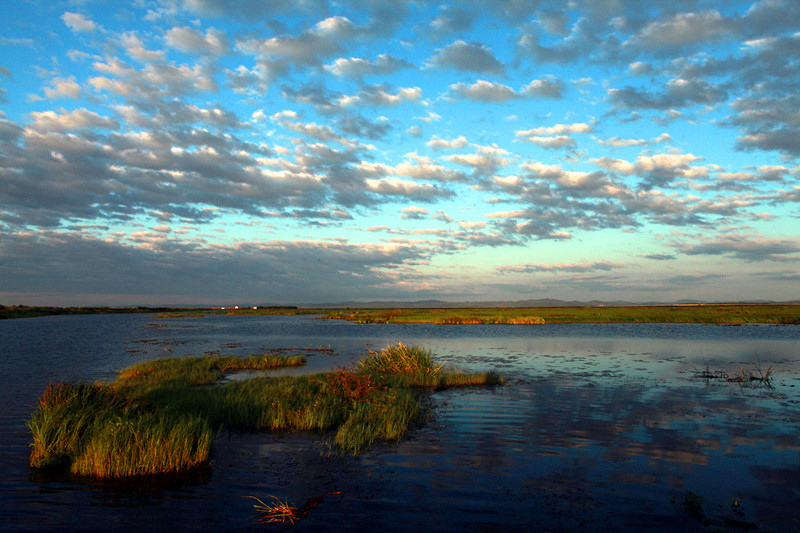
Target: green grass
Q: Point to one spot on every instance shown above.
(412, 366)
(200, 370)
(703, 314)
(162, 416)
(24, 311)
(91, 430)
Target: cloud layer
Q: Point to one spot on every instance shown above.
(314, 151)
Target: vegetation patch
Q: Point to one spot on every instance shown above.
(284, 512)
(162, 416)
(732, 314)
(755, 375)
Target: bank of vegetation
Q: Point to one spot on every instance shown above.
(736, 313)
(162, 416)
(702, 314)
(24, 311)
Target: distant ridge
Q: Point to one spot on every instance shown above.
(543, 302)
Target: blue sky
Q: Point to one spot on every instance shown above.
(220, 151)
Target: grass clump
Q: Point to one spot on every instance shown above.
(162, 416)
(276, 511)
(200, 370)
(92, 430)
(412, 366)
(735, 314)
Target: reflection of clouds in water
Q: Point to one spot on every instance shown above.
(619, 447)
(599, 427)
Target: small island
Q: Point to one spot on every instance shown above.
(162, 416)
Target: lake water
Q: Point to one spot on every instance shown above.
(599, 427)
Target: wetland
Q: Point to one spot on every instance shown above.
(597, 427)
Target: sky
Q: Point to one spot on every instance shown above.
(213, 152)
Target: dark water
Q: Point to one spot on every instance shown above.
(600, 427)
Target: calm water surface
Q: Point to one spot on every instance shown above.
(599, 427)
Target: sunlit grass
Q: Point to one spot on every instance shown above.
(276, 511)
(162, 416)
(702, 314)
(94, 431)
(413, 366)
(200, 370)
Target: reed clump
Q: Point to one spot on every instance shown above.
(162, 416)
(92, 430)
(413, 366)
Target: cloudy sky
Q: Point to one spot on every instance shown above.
(307, 151)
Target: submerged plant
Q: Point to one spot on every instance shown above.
(693, 504)
(756, 375)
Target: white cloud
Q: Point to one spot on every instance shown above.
(414, 212)
(557, 142)
(356, 67)
(63, 88)
(467, 57)
(380, 95)
(683, 29)
(484, 91)
(63, 120)
(78, 22)
(214, 42)
(558, 129)
(550, 87)
(437, 144)
(393, 186)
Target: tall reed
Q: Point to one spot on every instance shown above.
(93, 431)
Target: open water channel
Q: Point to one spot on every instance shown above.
(599, 427)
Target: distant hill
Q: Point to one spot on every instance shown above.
(542, 302)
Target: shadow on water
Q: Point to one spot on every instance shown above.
(597, 429)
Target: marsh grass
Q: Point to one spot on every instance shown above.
(756, 375)
(92, 430)
(162, 416)
(413, 366)
(200, 370)
(735, 314)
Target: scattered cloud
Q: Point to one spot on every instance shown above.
(185, 133)
(355, 67)
(78, 23)
(582, 267)
(749, 248)
(213, 42)
(467, 57)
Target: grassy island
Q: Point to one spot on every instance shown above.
(162, 416)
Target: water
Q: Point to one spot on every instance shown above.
(599, 427)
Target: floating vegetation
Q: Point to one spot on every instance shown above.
(692, 503)
(283, 511)
(277, 511)
(162, 416)
(755, 375)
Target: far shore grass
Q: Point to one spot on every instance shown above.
(697, 314)
(731, 313)
(162, 416)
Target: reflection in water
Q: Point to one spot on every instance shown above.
(598, 428)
